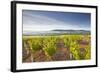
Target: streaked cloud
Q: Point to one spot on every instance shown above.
(34, 21)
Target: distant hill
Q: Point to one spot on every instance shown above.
(69, 30)
(73, 31)
(57, 32)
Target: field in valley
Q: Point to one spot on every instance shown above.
(56, 48)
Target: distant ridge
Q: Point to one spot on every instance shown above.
(70, 30)
(58, 32)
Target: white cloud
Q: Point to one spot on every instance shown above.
(42, 23)
(32, 22)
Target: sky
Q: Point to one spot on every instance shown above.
(34, 20)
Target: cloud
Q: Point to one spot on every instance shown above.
(40, 22)
(32, 22)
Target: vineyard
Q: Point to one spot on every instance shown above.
(56, 48)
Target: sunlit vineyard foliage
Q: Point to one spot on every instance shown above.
(77, 46)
